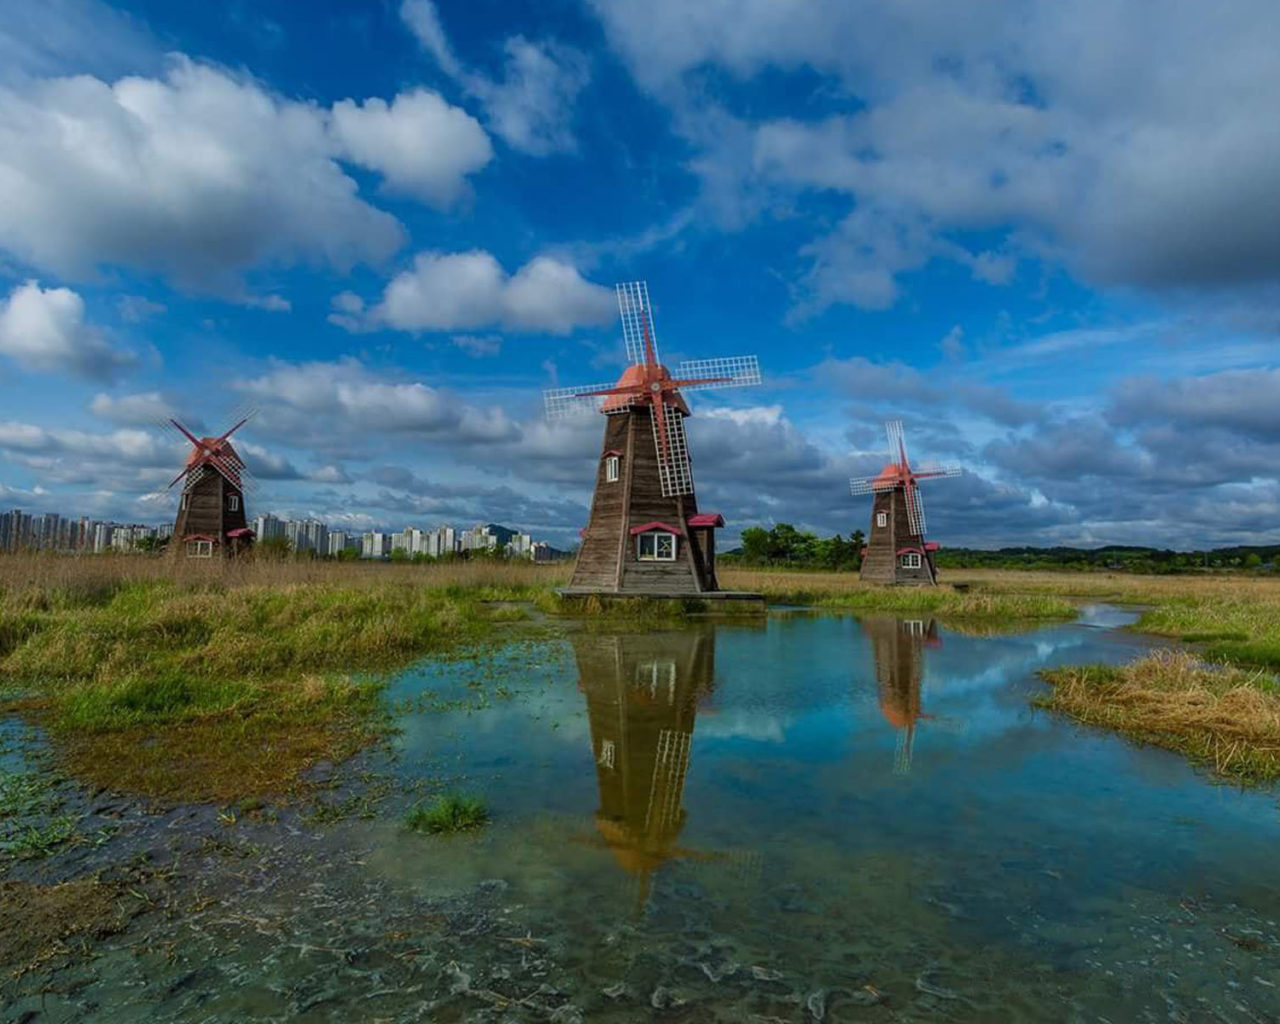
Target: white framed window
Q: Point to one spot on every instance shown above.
(911, 560)
(184, 499)
(611, 465)
(656, 547)
(606, 754)
(199, 549)
(233, 503)
(915, 627)
(882, 519)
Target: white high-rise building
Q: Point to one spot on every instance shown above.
(374, 545)
(267, 526)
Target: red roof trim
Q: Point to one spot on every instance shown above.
(907, 551)
(707, 519)
(244, 531)
(613, 451)
(931, 545)
(200, 536)
(655, 525)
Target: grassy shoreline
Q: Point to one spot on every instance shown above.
(226, 682)
(1222, 717)
(221, 682)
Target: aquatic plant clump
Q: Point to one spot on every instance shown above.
(447, 814)
(1224, 717)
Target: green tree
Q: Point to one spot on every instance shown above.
(755, 545)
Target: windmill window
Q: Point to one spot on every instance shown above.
(606, 754)
(911, 560)
(233, 503)
(199, 549)
(611, 469)
(657, 675)
(656, 547)
(882, 519)
(915, 627)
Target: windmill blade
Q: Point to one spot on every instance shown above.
(727, 372)
(564, 403)
(238, 424)
(187, 434)
(897, 441)
(861, 485)
(674, 471)
(915, 509)
(935, 469)
(637, 320)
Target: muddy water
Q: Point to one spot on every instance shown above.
(817, 818)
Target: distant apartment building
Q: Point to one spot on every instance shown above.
(375, 545)
(267, 526)
(478, 538)
(339, 542)
(307, 535)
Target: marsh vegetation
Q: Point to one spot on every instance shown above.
(222, 682)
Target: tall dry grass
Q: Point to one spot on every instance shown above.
(1225, 717)
(220, 681)
(35, 578)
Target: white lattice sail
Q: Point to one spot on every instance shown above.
(674, 470)
(637, 319)
(726, 372)
(564, 403)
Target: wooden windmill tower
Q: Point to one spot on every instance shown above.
(897, 646)
(896, 549)
(645, 535)
(211, 515)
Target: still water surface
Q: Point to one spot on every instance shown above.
(811, 818)
(870, 808)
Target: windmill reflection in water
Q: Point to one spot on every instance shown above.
(898, 647)
(644, 692)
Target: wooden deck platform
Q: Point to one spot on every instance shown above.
(661, 595)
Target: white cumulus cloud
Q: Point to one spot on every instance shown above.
(45, 329)
(471, 290)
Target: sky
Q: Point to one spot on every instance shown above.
(1045, 236)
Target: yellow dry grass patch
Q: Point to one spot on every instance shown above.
(1227, 718)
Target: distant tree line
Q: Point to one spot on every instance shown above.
(785, 546)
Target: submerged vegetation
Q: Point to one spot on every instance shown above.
(1225, 717)
(447, 814)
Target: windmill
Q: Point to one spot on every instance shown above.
(897, 645)
(211, 515)
(896, 549)
(645, 534)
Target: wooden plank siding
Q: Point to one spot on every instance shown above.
(882, 564)
(608, 558)
(203, 510)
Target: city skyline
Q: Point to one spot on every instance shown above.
(390, 226)
(55, 531)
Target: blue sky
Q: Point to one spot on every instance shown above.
(1048, 240)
